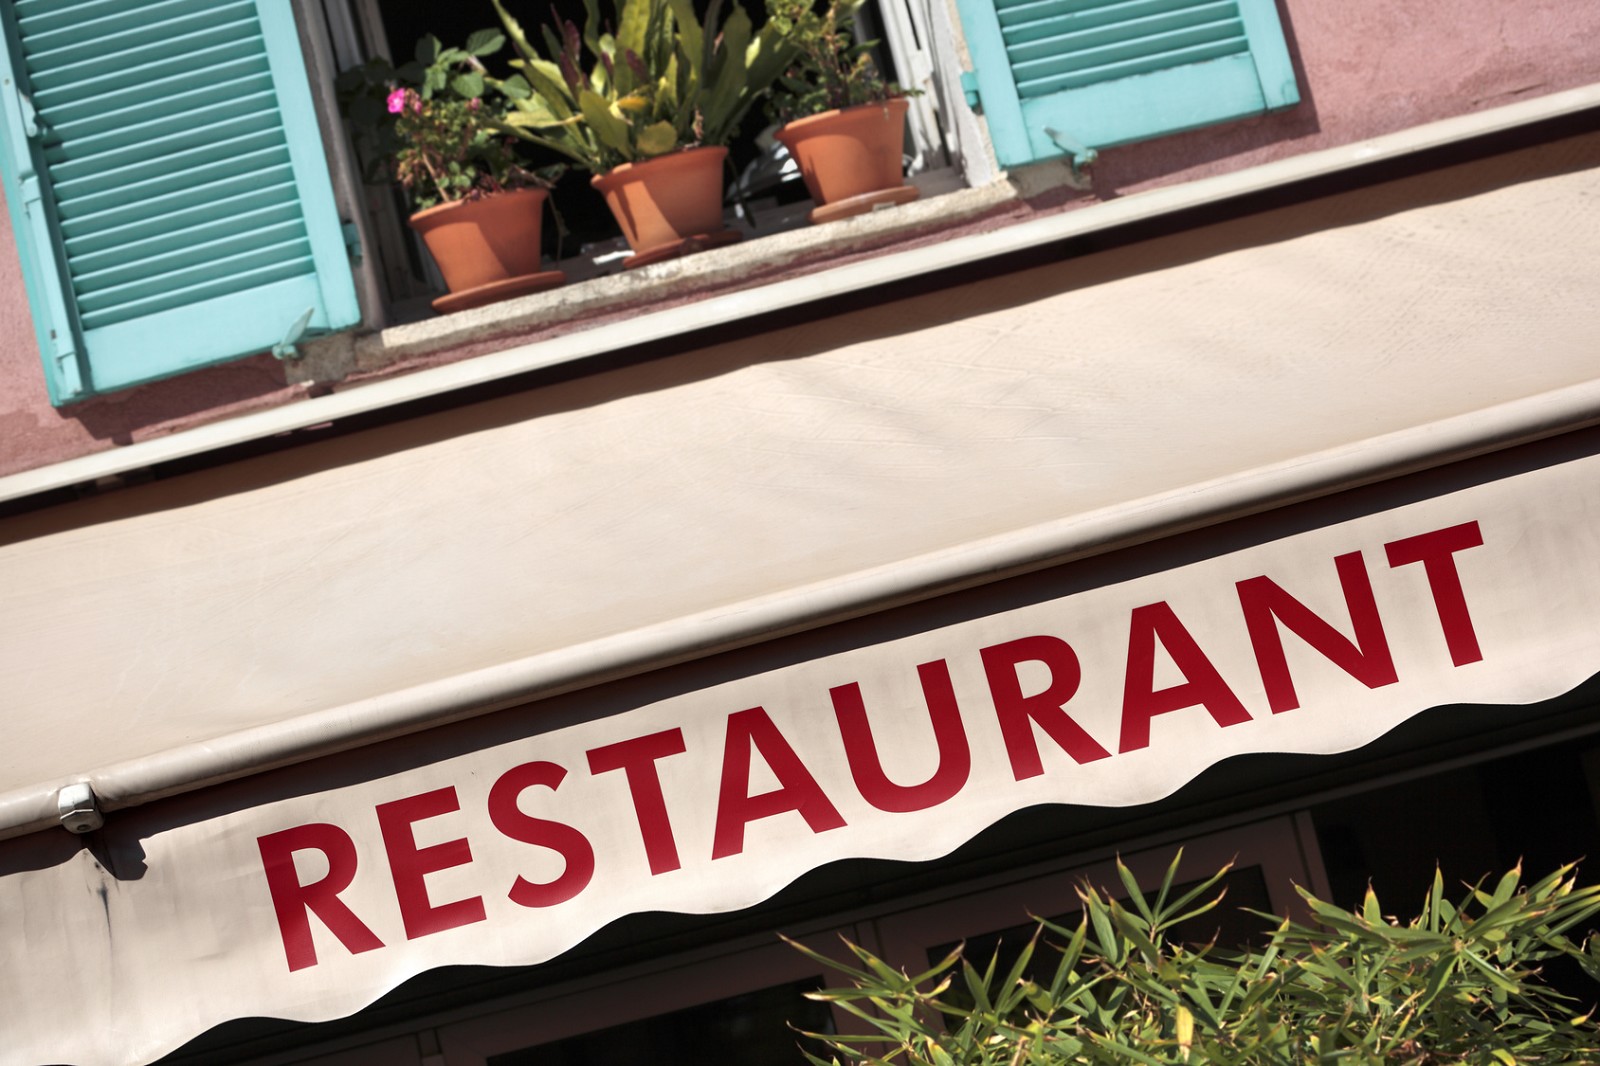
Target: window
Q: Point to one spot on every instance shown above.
(1269, 858)
(1058, 77)
(729, 1005)
(167, 186)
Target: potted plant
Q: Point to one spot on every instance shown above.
(650, 112)
(844, 126)
(478, 210)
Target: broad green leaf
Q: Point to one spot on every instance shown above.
(612, 131)
(539, 120)
(468, 85)
(633, 27)
(690, 35)
(485, 42)
(768, 56)
(544, 77)
(519, 40)
(727, 94)
(666, 94)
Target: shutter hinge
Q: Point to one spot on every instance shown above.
(63, 340)
(352, 240)
(285, 349)
(1079, 154)
(969, 86)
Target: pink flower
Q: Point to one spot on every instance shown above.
(397, 101)
(474, 103)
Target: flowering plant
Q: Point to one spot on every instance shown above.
(435, 130)
(831, 70)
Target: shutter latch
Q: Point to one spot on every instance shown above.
(352, 240)
(969, 86)
(285, 349)
(1079, 154)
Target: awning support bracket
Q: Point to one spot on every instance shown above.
(78, 808)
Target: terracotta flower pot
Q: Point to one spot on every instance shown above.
(487, 249)
(662, 202)
(851, 159)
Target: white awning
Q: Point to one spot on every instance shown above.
(218, 624)
(308, 892)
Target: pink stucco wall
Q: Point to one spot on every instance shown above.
(1366, 67)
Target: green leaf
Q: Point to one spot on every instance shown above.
(690, 36)
(519, 40)
(612, 131)
(540, 119)
(633, 27)
(427, 49)
(592, 25)
(727, 96)
(1131, 885)
(485, 42)
(469, 85)
(1370, 911)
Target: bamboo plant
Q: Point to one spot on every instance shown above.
(1460, 984)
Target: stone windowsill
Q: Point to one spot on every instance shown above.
(759, 259)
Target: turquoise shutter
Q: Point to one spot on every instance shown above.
(1107, 72)
(167, 186)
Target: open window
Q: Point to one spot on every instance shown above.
(761, 201)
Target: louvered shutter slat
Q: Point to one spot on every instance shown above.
(1087, 14)
(1107, 72)
(1147, 38)
(192, 209)
(197, 225)
(141, 179)
(153, 138)
(153, 265)
(107, 116)
(246, 269)
(1124, 58)
(155, 40)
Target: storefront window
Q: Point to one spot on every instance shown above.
(750, 1029)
